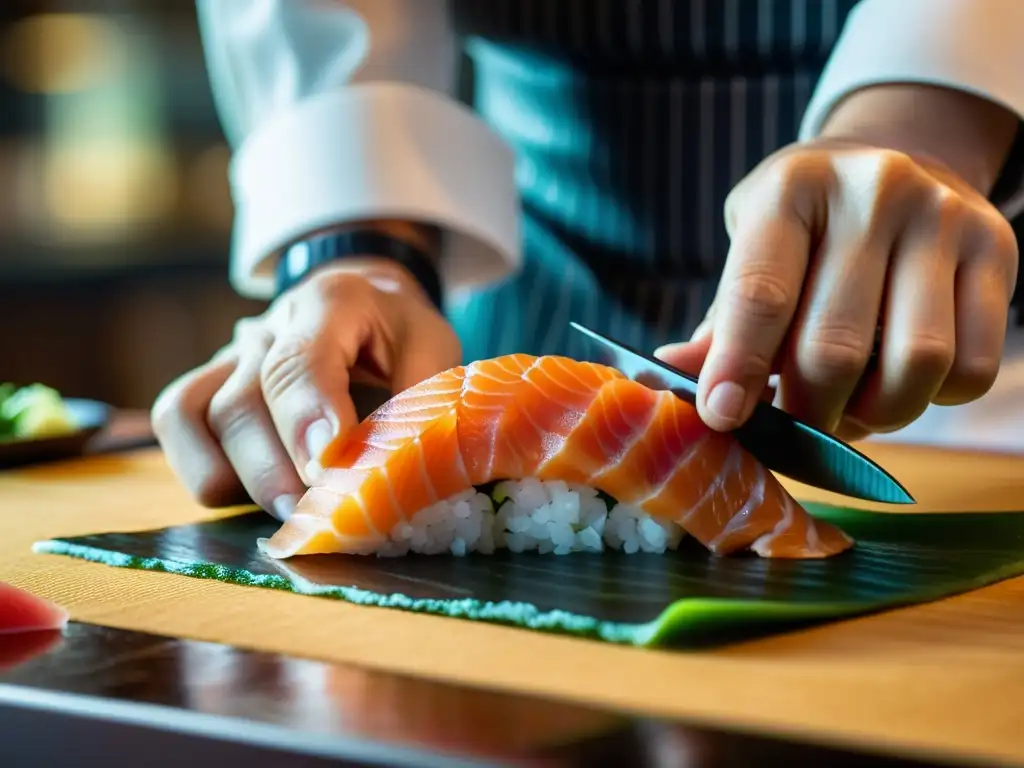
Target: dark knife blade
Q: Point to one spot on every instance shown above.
(779, 441)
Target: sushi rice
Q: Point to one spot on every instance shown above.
(531, 515)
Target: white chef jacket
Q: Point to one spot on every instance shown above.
(342, 111)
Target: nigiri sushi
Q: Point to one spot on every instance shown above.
(544, 454)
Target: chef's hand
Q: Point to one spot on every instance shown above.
(831, 240)
(254, 419)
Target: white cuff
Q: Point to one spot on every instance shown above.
(968, 45)
(376, 150)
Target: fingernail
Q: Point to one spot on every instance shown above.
(726, 401)
(313, 472)
(283, 506)
(668, 349)
(318, 436)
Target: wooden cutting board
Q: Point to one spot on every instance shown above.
(944, 678)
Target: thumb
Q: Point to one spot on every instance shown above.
(689, 357)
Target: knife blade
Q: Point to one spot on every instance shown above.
(781, 442)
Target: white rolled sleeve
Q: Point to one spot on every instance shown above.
(975, 46)
(344, 111)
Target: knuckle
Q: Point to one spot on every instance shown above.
(892, 182)
(835, 353)
(929, 355)
(968, 379)
(994, 243)
(949, 205)
(175, 402)
(730, 210)
(798, 168)
(214, 488)
(797, 173)
(761, 295)
(891, 417)
(232, 405)
(923, 365)
(1002, 240)
(800, 182)
(287, 362)
(166, 409)
(246, 328)
(888, 412)
(895, 167)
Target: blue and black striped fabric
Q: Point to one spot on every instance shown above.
(632, 120)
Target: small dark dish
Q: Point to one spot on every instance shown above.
(90, 416)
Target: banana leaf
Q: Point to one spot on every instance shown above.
(686, 599)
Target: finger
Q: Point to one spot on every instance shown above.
(982, 310)
(239, 417)
(687, 356)
(306, 374)
(191, 449)
(833, 333)
(756, 300)
(703, 330)
(429, 348)
(918, 335)
(850, 431)
(305, 383)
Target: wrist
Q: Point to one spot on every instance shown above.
(968, 135)
(361, 249)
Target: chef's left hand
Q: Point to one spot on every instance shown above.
(831, 240)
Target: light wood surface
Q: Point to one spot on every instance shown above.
(944, 678)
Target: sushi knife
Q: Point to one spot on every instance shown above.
(781, 442)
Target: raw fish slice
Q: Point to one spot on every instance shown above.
(516, 409)
(410, 471)
(21, 611)
(379, 475)
(714, 489)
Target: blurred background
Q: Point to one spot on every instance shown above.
(115, 214)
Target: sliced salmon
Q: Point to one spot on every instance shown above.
(553, 419)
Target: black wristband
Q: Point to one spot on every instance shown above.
(301, 258)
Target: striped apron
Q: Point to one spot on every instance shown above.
(631, 121)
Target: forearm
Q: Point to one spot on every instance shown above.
(970, 135)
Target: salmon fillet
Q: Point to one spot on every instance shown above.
(549, 418)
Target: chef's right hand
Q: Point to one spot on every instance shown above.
(254, 419)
